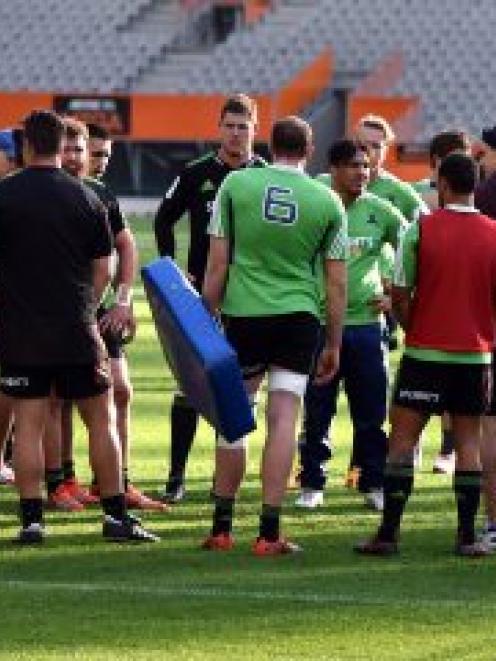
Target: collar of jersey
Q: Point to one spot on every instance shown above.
(299, 169)
(461, 208)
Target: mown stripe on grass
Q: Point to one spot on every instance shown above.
(194, 591)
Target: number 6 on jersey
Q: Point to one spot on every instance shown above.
(279, 207)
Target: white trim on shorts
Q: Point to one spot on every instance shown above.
(281, 379)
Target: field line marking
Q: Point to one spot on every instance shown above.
(192, 591)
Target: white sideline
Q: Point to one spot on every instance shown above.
(253, 595)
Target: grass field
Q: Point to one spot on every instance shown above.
(79, 598)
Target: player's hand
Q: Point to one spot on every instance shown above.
(327, 365)
(381, 303)
(118, 319)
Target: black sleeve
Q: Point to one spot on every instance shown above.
(100, 239)
(116, 219)
(172, 207)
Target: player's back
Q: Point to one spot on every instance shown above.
(279, 221)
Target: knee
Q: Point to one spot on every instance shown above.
(123, 394)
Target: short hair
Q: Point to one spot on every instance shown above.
(380, 124)
(240, 104)
(460, 173)
(449, 141)
(343, 151)
(18, 136)
(291, 136)
(97, 131)
(43, 132)
(75, 128)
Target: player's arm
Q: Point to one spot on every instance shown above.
(405, 273)
(216, 273)
(415, 206)
(336, 297)
(101, 275)
(218, 256)
(395, 225)
(172, 207)
(120, 316)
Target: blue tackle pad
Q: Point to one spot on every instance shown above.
(203, 362)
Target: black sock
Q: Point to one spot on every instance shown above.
(125, 479)
(448, 443)
(68, 468)
(115, 506)
(223, 515)
(398, 484)
(269, 523)
(184, 421)
(467, 487)
(53, 479)
(31, 511)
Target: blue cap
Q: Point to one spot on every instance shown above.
(7, 143)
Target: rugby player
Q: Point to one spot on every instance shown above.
(445, 299)
(193, 192)
(372, 223)
(441, 145)
(272, 229)
(116, 319)
(485, 200)
(54, 264)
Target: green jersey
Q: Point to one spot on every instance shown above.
(405, 275)
(386, 262)
(372, 223)
(400, 193)
(280, 225)
(388, 187)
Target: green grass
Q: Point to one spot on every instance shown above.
(77, 597)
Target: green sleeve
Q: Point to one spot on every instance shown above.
(337, 239)
(413, 204)
(221, 210)
(396, 225)
(405, 269)
(386, 261)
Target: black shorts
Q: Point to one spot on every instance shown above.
(113, 341)
(65, 381)
(435, 388)
(288, 341)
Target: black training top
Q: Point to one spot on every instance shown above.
(115, 216)
(194, 191)
(51, 229)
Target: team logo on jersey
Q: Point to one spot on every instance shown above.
(360, 244)
(372, 220)
(207, 187)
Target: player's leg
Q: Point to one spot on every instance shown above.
(488, 457)
(59, 496)
(29, 390)
(445, 460)
(183, 424)
(417, 394)
(230, 466)
(90, 387)
(314, 445)
(366, 382)
(467, 406)
(291, 347)
(123, 392)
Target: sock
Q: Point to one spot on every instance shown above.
(125, 479)
(31, 511)
(115, 506)
(184, 420)
(398, 484)
(223, 515)
(467, 487)
(448, 444)
(68, 468)
(269, 522)
(53, 479)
